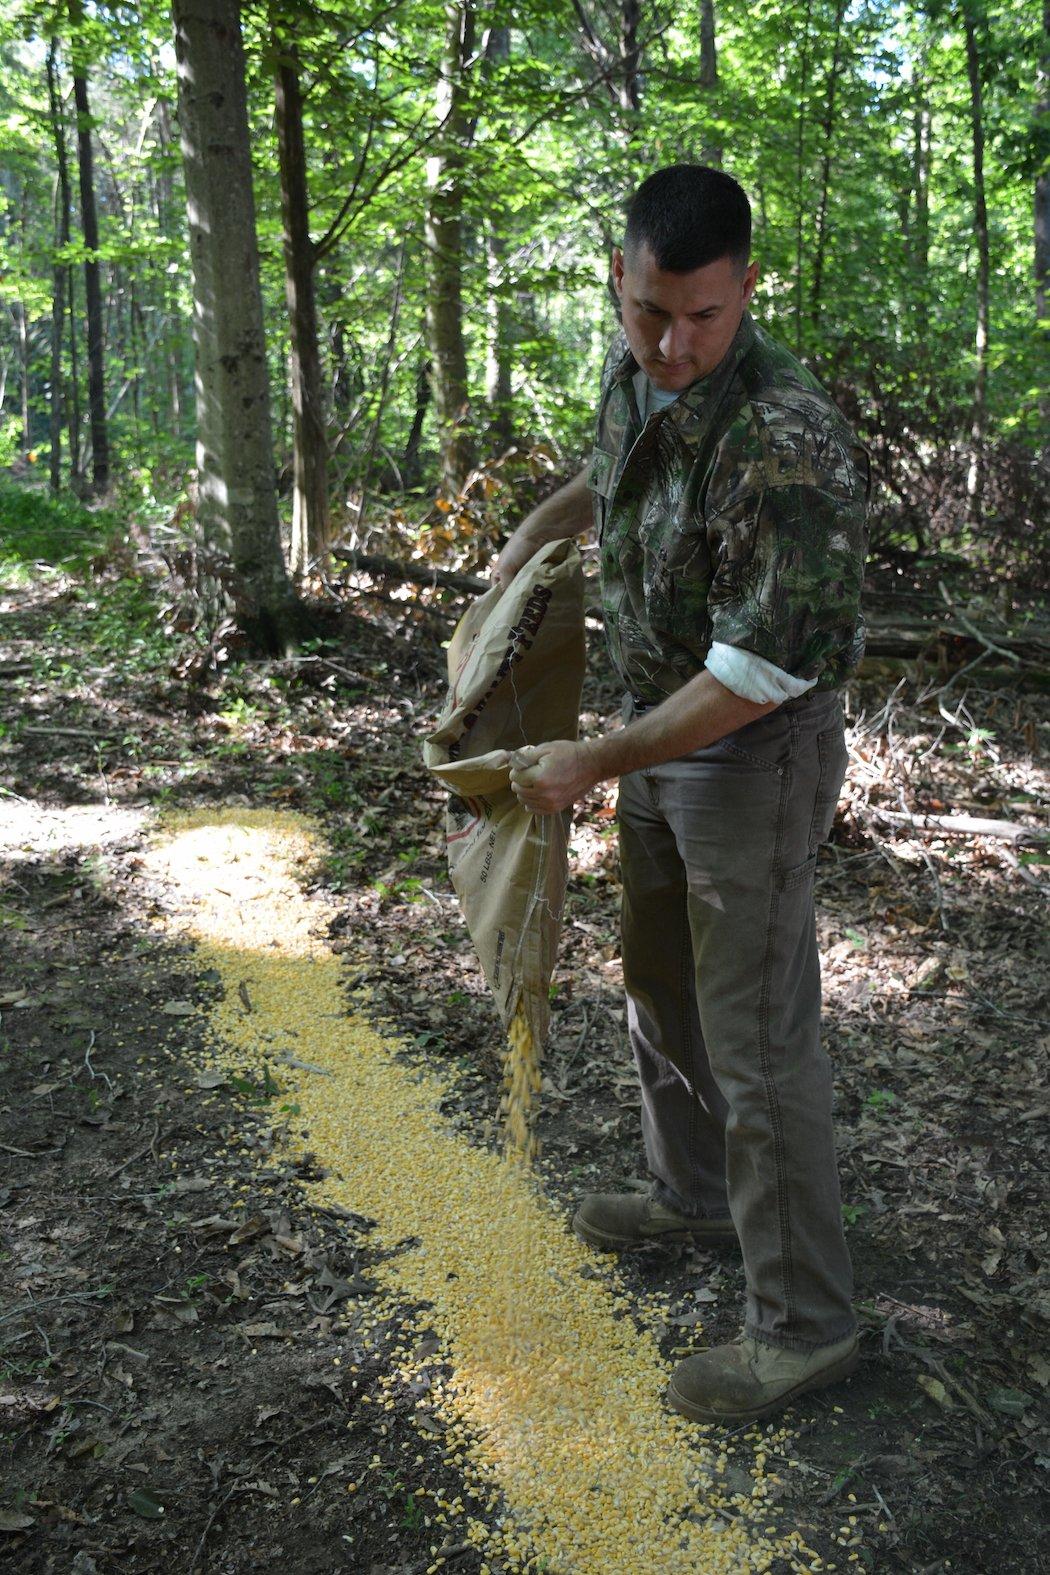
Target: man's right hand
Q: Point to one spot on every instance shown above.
(515, 555)
(566, 512)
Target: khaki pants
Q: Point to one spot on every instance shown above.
(718, 851)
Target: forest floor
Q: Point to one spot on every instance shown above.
(177, 1308)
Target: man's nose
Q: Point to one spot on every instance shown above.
(672, 342)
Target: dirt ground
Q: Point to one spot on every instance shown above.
(176, 1316)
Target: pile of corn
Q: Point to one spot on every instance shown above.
(521, 1084)
(570, 1462)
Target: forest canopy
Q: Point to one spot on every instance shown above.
(436, 191)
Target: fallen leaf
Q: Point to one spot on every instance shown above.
(178, 1008)
(1039, 1368)
(10, 1520)
(1009, 1402)
(144, 1504)
(210, 1079)
(936, 1390)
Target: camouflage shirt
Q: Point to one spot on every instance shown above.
(736, 514)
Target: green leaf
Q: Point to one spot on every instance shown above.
(144, 1504)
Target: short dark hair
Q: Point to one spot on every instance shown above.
(689, 215)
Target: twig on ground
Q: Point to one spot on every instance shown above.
(91, 1069)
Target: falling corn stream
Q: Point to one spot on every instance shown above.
(552, 1409)
(521, 1086)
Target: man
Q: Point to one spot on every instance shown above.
(730, 501)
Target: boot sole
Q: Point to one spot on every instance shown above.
(605, 1243)
(843, 1368)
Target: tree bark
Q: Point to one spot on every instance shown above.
(310, 528)
(58, 277)
(976, 475)
(444, 241)
(238, 499)
(712, 151)
(92, 272)
(630, 56)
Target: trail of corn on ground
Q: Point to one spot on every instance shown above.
(553, 1408)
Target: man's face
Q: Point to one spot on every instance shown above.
(680, 325)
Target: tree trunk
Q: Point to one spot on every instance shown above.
(166, 220)
(920, 176)
(828, 128)
(800, 172)
(73, 403)
(58, 284)
(976, 474)
(498, 367)
(630, 55)
(712, 151)
(238, 499)
(21, 331)
(410, 467)
(444, 242)
(1042, 184)
(92, 273)
(310, 531)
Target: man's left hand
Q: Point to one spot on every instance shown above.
(550, 777)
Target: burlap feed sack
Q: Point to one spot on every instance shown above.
(516, 664)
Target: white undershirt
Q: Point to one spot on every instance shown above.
(742, 672)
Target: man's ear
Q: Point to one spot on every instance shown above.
(617, 272)
(750, 280)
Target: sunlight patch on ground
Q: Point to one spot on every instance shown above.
(554, 1397)
(29, 830)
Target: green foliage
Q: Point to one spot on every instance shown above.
(848, 124)
(39, 528)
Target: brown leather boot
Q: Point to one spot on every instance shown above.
(749, 1379)
(619, 1221)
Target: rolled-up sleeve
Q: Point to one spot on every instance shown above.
(789, 566)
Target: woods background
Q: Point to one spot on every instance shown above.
(436, 191)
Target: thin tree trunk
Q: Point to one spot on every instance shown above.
(73, 402)
(498, 371)
(827, 127)
(18, 311)
(1042, 184)
(238, 499)
(920, 174)
(166, 221)
(800, 168)
(58, 284)
(310, 530)
(410, 468)
(92, 273)
(712, 151)
(976, 476)
(444, 241)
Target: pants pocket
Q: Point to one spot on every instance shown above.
(832, 758)
(798, 875)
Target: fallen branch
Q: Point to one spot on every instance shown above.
(961, 825)
(411, 573)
